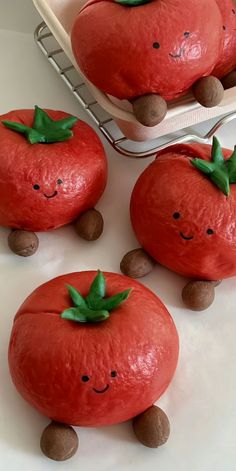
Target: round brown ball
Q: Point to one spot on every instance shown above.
(59, 442)
(136, 263)
(198, 295)
(208, 91)
(152, 428)
(89, 225)
(23, 243)
(229, 81)
(149, 110)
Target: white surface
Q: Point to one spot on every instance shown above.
(200, 401)
(18, 15)
(59, 15)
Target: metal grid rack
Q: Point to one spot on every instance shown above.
(60, 62)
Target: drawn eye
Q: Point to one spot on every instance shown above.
(85, 378)
(59, 181)
(233, 11)
(186, 34)
(113, 374)
(156, 45)
(210, 231)
(36, 187)
(176, 215)
(224, 28)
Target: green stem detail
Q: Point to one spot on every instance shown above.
(132, 3)
(44, 129)
(220, 171)
(94, 307)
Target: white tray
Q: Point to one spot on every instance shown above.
(59, 16)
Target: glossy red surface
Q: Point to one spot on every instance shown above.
(48, 355)
(227, 59)
(70, 176)
(161, 47)
(173, 205)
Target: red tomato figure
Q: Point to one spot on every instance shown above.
(227, 59)
(90, 372)
(184, 217)
(151, 48)
(49, 173)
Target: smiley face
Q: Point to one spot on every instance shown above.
(86, 378)
(180, 46)
(37, 187)
(176, 215)
(179, 52)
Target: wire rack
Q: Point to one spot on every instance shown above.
(60, 62)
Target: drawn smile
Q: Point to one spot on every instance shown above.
(185, 237)
(51, 196)
(176, 56)
(100, 391)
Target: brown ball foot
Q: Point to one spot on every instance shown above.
(59, 442)
(136, 263)
(229, 81)
(152, 427)
(23, 243)
(149, 110)
(199, 295)
(89, 225)
(208, 91)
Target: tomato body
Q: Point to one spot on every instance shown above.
(182, 219)
(44, 186)
(92, 374)
(227, 59)
(160, 47)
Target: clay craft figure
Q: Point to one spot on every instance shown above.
(92, 349)
(53, 171)
(226, 65)
(183, 212)
(151, 52)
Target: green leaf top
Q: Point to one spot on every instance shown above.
(44, 129)
(94, 307)
(220, 171)
(132, 3)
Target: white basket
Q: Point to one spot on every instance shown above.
(59, 16)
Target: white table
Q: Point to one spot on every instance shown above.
(201, 400)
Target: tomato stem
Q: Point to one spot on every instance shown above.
(44, 129)
(220, 171)
(94, 307)
(132, 3)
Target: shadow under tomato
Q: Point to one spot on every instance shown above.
(167, 285)
(120, 432)
(21, 425)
